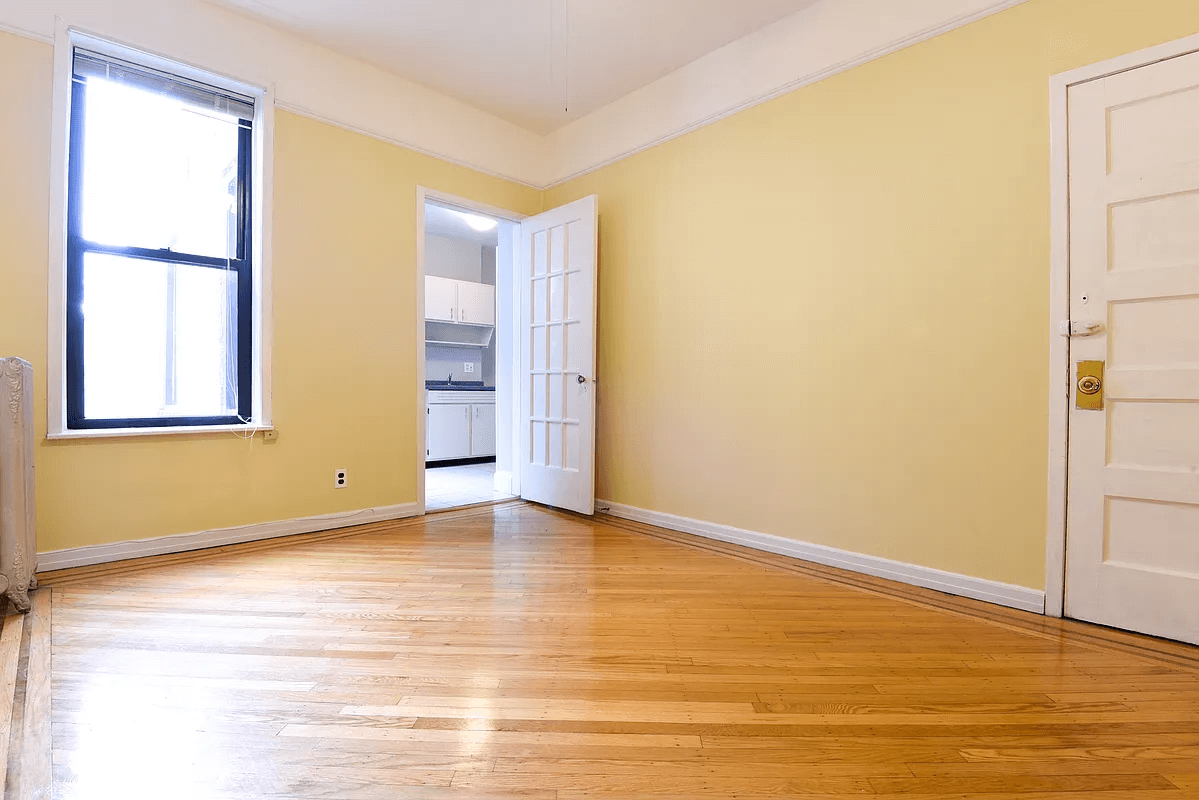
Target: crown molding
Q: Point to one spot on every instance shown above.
(307, 78)
(45, 38)
(813, 44)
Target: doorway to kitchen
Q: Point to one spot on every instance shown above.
(468, 366)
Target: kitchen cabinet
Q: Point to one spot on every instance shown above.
(459, 425)
(476, 303)
(441, 299)
(482, 429)
(448, 300)
(447, 432)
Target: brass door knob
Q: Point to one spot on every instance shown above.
(1089, 384)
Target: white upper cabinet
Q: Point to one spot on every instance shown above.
(476, 303)
(448, 300)
(441, 299)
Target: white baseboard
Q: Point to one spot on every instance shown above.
(1003, 594)
(503, 482)
(183, 542)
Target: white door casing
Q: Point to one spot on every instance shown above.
(1132, 546)
(557, 273)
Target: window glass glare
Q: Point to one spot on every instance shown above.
(161, 339)
(157, 173)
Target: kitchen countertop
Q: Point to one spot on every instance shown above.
(463, 386)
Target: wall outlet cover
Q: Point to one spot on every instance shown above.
(339, 479)
(468, 367)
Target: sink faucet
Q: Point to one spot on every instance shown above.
(450, 379)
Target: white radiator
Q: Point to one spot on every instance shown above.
(18, 533)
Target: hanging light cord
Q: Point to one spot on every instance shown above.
(566, 55)
(565, 48)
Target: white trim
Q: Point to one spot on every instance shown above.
(820, 41)
(816, 42)
(424, 194)
(1003, 594)
(465, 203)
(56, 300)
(313, 79)
(263, 198)
(1059, 297)
(421, 404)
(184, 542)
(303, 111)
(65, 40)
(502, 482)
(27, 34)
(124, 433)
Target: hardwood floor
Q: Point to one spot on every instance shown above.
(518, 652)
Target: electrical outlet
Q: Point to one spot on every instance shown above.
(339, 479)
(468, 367)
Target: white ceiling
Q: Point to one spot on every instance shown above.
(526, 61)
(450, 223)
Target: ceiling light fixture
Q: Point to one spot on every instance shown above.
(480, 224)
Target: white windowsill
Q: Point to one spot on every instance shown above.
(115, 433)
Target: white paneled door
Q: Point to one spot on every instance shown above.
(1132, 545)
(557, 271)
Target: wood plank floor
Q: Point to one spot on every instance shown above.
(517, 652)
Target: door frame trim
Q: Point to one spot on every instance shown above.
(1059, 296)
(424, 193)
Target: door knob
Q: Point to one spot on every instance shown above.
(582, 379)
(1090, 386)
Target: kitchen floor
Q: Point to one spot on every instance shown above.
(450, 487)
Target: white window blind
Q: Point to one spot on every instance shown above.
(193, 93)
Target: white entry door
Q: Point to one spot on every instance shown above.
(557, 273)
(1132, 546)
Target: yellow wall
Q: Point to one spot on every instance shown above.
(344, 349)
(822, 318)
(825, 318)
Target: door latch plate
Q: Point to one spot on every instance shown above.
(1088, 395)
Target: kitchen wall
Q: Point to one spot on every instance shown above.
(344, 356)
(441, 361)
(461, 260)
(826, 317)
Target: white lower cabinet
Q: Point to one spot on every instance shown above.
(482, 429)
(447, 434)
(459, 430)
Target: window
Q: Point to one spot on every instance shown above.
(159, 283)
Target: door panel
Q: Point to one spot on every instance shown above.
(476, 303)
(482, 430)
(448, 432)
(441, 298)
(557, 324)
(1132, 548)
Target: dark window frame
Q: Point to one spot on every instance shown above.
(78, 247)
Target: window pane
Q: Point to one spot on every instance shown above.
(159, 339)
(157, 172)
